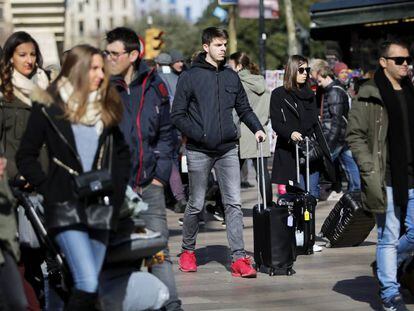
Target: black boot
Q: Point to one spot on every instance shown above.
(81, 301)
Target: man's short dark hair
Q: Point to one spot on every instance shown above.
(385, 46)
(213, 32)
(126, 35)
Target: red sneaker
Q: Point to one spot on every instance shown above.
(187, 262)
(242, 267)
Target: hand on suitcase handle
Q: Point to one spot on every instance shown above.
(260, 136)
(296, 136)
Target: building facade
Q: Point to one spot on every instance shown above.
(191, 10)
(88, 20)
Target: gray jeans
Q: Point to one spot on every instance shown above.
(156, 220)
(227, 170)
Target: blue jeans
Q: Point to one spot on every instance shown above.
(314, 188)
(84, 256)
(392, 250)
(156, 220)
(348, 164)
(227, 169)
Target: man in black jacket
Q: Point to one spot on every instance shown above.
(334, 122)
(202, 110)
(147, 127)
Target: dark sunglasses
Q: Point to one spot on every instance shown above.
(399, 60)
(301, 70)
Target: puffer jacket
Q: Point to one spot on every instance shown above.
(203, 107)
(335, 115)
(367, 139)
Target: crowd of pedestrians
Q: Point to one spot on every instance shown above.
(77, 139)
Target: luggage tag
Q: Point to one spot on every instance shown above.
(184, 167)
(290, 221)
(306, 215)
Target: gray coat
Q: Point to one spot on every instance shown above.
(259, 99)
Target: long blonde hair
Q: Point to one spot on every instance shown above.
(75, 68)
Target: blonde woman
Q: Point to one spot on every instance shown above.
(77, 119)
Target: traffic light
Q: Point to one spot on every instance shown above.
(153, 42)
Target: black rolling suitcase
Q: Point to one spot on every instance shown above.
(347, 224)
(273, 233)
(304, 205)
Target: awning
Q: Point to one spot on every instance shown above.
(339, 13)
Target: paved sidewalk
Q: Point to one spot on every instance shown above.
(334, 279)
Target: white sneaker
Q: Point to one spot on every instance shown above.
(317, 248)
(335, 196)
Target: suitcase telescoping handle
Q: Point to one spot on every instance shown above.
(260, 177)
(306, 160)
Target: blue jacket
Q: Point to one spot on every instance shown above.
(146, 125)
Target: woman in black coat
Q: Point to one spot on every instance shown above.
(294, 115)
(77, 119)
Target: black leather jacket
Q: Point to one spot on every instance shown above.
(335, 114)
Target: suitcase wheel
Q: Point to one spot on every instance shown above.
(328, 245)
(271, 272)
(257, 267)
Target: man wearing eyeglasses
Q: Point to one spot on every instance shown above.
(381, 137)
(146, 126)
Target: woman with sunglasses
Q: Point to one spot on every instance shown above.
(294, 116)
(77, 119)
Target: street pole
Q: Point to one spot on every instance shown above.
(262, 39)
(232, 29)
(291, 29)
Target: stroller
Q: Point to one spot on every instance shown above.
(127, 249)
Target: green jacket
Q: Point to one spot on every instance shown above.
(367, 139)
(13, 120)
(8, 227)
(259, 100)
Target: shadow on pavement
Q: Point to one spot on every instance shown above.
(362, 288)
(217, 253)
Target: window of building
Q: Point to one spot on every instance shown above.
(98, 24)
(125, 4)
(173, 11)
(188, 13)
(81, 28)
(97, 5)
(80, 7)
(173, 1)
(125, 20)
(110, 4)
(111, 22)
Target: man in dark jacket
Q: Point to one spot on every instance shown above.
(334, 122)
(146, 126)
(381, 136)
(202, 110)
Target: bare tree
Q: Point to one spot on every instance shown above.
(291, 29)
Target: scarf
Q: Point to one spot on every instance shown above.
(93, 113)
(22, 86)
(397, 154)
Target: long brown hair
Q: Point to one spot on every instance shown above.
(6, 65)
(75, 68)
(291, 72)
(241, 58)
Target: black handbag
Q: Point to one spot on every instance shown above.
(315, 150)
(97, 182)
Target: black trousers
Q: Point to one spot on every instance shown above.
(12, 296)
